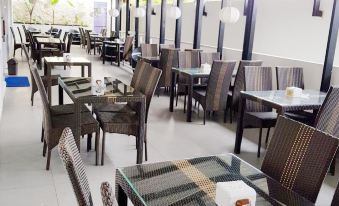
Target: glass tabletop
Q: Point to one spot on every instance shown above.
(49, 40)
(87, 86)
(193, 182)
(198, 71)
(278, 97)
(55, 59)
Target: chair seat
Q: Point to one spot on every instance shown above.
(301, 116)
(260, 119)
(123, 123)
(118, 108)
(66, 109)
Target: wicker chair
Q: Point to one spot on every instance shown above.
(55, 123)
(214, 98)
(256, 115)
(126, 53)
(328, 116)
(234, 92)
(145, 80)
(166, 46)
(298, 156)
(293, 77)
(22, 40)
(90, 43)
(186, 59)
(335, 200)
(16, 44)
(75, 168)
(149, 50)
(167, 61)
(82, 38)
(44, 78)
(209, 57)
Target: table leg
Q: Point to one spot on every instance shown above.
(172, 91)
(49, 82)
(77, 131)
(94, 45)
(89, 70)
(103, 53)
(189, 101)
(121, 196)
(40, 56)
(61, 96)
(118, 55)
(240, 126)
(142, 131)
(82, 71)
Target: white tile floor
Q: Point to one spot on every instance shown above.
(24, 180)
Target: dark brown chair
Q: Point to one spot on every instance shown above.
(149, 50)
(298, 156)
(186, 59)
(22, 40)
(75, 168)
(126, 53)
(209, 57)
(328, 116)
(214, 98)
(17, 45)
(55, 123)
(234, 92)
(90, 43)
(257, 115)
(167, 61)
(166, 46)
(335, 200)
(145, 80)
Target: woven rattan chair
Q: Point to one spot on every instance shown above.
(23, 41)
(166, 46)
(44, 78)
(54, 122)
(126, 53)
(17, 45)
(328, 116)
(214, 98)
(90, 42)
(298, 156)
(145, 80)
(256, 115)
(167, 61)
(149, 50)
(186, 59)
(335, 200)
(234, 93)
(293, 77)
(209, 57)
(75, 168)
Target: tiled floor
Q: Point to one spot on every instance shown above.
(24, 180)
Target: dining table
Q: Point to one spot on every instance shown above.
(118, 44)
(278, 100)
(194, 181)
(45, 41)
(108, 90)
(51, 62)
(190, 74)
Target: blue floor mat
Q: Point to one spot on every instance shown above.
(17, 81)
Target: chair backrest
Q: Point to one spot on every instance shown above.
(88, 39)
(145, 80)
(166, 46)
(289, 77)
(69, 43)
(298, 156)
(209, 57)
(189, 59)
(218, 85)
(149, 50)
(45, 102)
(167, 58)
(335, 200)
(21, 39)
(70, 156)
(257, 79)
(13, 34)
(240, 79)
(328, 116)
(58, 35)
(65, 36)
(128, 46)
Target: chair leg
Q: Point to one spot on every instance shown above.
(89, 142)
(44, 149)
(204, 116)
(231, 115)
(146, 153)
(97, 140)
(176, 101)
(267, 135)
(42, 133)
(103, 148)
(48, 159)
(32, 98)
(225, 115)
(185, 104)
(259, 142)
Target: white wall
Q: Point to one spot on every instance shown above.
(286, 34)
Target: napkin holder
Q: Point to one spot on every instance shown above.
(293, 92)
(67, 57)
(205, 66)
(234, 193)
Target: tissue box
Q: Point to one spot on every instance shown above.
(294, 92)
(67, 57)
(205, 66)
(228, 193)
